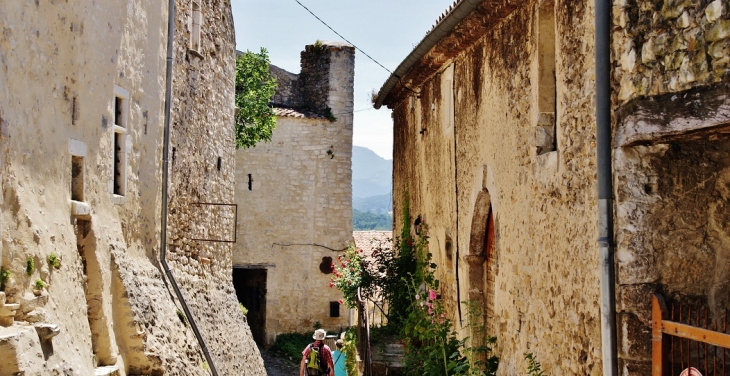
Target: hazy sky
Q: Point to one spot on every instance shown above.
(387, 30)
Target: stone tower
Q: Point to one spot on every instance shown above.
(295, 199)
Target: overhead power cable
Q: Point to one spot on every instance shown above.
(340, 35)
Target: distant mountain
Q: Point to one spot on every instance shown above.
(372, 175)
(382, 204)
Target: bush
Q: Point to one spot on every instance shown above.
(291, 345)
(29, 266)
(4, 277)
(54, 261)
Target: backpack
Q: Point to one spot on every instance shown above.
(314, 361)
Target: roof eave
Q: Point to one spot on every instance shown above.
(441, 30)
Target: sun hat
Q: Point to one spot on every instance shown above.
(319, 334)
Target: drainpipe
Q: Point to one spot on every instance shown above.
(605, 188)
(165, 183)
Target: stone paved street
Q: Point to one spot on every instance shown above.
(277, 366)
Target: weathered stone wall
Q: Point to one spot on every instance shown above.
(669, 46)
(60, 64)
(671, 163)
(298, 209)
(202, 172)
(61, 67)
(287, 88)
(469, 142)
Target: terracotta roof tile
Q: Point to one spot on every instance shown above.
(368, 241)
(290, 112)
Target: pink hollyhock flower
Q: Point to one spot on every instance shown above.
(331, 284)
(431, 295)
(340, 301)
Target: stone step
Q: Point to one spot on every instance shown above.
(107, 371)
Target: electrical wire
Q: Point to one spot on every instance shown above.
(340, 35)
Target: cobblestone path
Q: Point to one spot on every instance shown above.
(277, 366)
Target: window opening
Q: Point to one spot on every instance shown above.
(77, 178)
(219, 163)
(119, 141)
(74, 111)
(118, 105)
(195, 32)
(547, 87)
(119, 163)
(250, 181)
(334, 309)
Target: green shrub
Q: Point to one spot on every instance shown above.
(39, 284)
(349, 348)
(534, 368)
(4, 277)
(181, 316)
(29, 266)
(291, 344)
(54, 261)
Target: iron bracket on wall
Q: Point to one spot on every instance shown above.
(235, 222)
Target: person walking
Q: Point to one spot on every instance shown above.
(339, 359)
(317, 357)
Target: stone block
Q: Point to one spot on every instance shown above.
(647, 52)
(634, 338)
(714, 10)
(630, 367)
(20, 351)
(47, 331)
(80, 209)
(636, 299)
(720, 30)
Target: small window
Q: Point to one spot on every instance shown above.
(119, 141)
(547, 88)
(334, 309)
(77, 178)
(250, 182)
(196, 25)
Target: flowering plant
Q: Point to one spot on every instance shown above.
(347, 275)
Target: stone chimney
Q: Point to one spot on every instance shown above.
(326, 79)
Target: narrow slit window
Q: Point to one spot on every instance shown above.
(77, 178)
(120, 139)
(118, 105)
(119, 162)
(196, 26)
(547, 87)
(250, 182)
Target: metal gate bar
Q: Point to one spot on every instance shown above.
(666, 333)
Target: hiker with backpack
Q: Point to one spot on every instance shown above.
(317, 357)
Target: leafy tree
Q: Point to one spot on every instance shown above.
(363, 221)
(255, 86)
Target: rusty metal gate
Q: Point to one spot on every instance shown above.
(685, 336)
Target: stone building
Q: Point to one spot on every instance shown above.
(294, 195)
(82, 90)
(495, 141)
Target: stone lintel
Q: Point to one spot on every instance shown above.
(701, 113)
